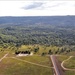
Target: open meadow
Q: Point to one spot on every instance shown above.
(10, 66)
(25, 65)
(69, 64)
(39, 63)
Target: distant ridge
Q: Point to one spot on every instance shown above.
(30, 20)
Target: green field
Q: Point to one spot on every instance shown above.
(69, 72)
(32, 65)
(1, 54)
(14, 67)
(11, 66)
(38, 59)
(70, 63)
(62, 58)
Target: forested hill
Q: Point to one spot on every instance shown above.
(50, 30)
(51, 20)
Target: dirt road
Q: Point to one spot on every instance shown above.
(57, 66)
(3, 57)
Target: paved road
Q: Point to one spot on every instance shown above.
(57, 66)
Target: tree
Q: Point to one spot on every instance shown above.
(36, 49)
(50, 52)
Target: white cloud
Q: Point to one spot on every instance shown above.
(41, 8)
(33, 5)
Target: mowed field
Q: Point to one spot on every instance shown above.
(32, 65)
(28, 65)
(70, 64)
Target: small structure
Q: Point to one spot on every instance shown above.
(23, 53)
(31, 53)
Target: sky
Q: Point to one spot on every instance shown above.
(37, 8)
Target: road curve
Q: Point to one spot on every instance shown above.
(62, 64)
(57, 66)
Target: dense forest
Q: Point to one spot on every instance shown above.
(44, 30)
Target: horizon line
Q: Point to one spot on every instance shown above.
(36, 15)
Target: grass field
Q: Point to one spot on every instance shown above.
(71, 53)
(32, 65)
(69, 72)
(62, 58)
(11, 66)
(70, 63)
(2, 53)
(43, 60)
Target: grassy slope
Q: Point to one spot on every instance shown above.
(43, 60)
(62, 58)
(42, 48)
(68, 64)
(2, 54)
(69, 72)
(11, 66)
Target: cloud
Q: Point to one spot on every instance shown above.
(36, 8)
(33, 5)
(57, 5)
